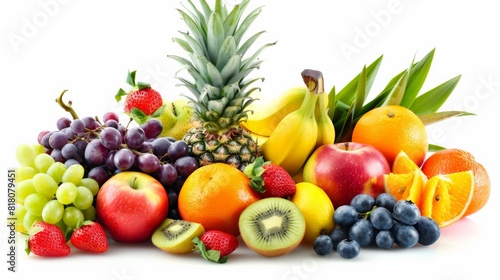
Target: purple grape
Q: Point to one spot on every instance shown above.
(57, 155)
(99, 174)
(70, 162)
(63, 122)
(78, 126)
(134, 137)
(110, 116)
(111, 138)
(146, 147)
(124, 159)
(57, 140)
(45, 140)
(111, 123)
(160, 147)
(186, 165)
(166, 174)
(90, 123)
(95, 153)
(41, 135)
(81, 145)
(70, 151)
(109, 162)
(177, 150)
(148, 163)
(152, 128)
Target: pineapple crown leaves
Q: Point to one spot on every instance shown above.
(254, 171)
(217, 62)
(404, 89)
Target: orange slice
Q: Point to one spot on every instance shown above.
(446, 197)
(403, 164)
(407, 186)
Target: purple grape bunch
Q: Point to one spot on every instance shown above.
(107, 147)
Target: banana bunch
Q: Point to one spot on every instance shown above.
(299, 132)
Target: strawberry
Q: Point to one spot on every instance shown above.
(141, 101)
(216, 245)
(270, 179)
(90, 237)
(47, 240)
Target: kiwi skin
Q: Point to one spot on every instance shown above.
(180, 236)
(263, 208)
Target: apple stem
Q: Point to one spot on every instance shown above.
(134, 186)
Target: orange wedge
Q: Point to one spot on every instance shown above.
(403, 164)
(446, 197)
(407, 186)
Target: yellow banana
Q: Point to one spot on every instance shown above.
(326, 130)
(294, 138)
(267, 114)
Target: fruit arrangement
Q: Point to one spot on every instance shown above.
(217, 169)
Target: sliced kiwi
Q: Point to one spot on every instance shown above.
(272, 226)
(175, 236)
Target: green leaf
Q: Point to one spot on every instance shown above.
(398, 91)
(331, 103)
(435, 148)
(158, 112)
(359, 100)
(433, 99)
(138, 116)
(431, 118)
(418, 74)
(120, 94)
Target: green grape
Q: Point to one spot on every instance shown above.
(39, 149)
(53, 211)
(29, 219)
(25, 155)
(43, 162)
(89, 214)
(84, 198)
(90, 184)
(66, 193)
(19, 215)
(56, 171)
(73, 174)
(34, 204)
(72, 217)
(23, 189)
(24, 173)
(45, 185)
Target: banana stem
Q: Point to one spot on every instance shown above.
(67, 107)
(313, 80)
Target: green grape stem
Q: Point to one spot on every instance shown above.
(68, 107)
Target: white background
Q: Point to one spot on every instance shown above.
(87, 47)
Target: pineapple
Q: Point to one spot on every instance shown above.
(218, 66)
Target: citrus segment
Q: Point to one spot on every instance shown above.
(214, 196)
(456, 160)
(446, 197)
(408, 186)
(403, 164)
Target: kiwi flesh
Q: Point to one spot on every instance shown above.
(272, 226)
(175, 236)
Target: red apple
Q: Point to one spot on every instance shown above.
(131, 205)
(344, 170)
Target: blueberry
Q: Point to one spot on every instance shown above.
(363, 202)
(345, 216)
(348, 248)
(363, 232)
(405, 211)
(384, 239)
(323, 245)
(405, 236)
(385, 200)
(381, 218)
(337, 235)
(428, 231)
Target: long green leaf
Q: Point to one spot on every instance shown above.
(331, 102)
(398, 91)
(416, 79)
(431, 118)
(435, 148)
(432, 100)
(359, 100)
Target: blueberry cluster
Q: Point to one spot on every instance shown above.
(383, 222)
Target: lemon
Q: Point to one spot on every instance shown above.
(317, 209)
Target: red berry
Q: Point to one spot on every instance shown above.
(47, 240)
(216, 245)
(90, 237)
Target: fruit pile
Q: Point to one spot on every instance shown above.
(217, 168)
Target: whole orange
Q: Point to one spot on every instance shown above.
(215, 195)
(392, 129)
(457, 160)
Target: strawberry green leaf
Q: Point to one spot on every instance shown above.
(432, 100)
(254, 171)
(158, 112)
(138, 116)
(120, 94)
(431, 118)
(210, 255)
(131, 78)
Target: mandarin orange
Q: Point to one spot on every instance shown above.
(214, 196)
(392, 129)
(456, 160)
